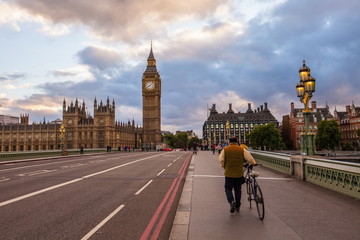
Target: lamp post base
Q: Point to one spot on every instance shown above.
(307, 143)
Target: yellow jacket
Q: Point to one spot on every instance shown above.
(232, 160)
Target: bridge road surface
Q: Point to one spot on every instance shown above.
(294, 209)
(108, 196)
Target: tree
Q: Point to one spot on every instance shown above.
(266, 137)
(170, 139)
(328, 135)
(193, 140)
(181, 140)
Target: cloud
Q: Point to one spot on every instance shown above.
(63, 73)
(37, 106)
(207, 52)
(99, 58)
(12, 76)
(124, 20)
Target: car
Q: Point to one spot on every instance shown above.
(167, 149)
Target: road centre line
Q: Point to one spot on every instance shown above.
(36, 172)
(70, 160)
(3, 179)
(169, 165)
(70, 182)
(35, 165)
(141, 189)
(102, 223)
(160, 172)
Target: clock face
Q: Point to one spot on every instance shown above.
(150, 85)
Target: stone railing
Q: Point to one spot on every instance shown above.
(343, 177)
(276, 161)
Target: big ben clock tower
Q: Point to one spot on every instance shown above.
(151, 92)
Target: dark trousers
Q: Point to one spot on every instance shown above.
(233, 184)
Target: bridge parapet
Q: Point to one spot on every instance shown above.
(343, 177)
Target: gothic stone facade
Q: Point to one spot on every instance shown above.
(81, 129)
(239, 124)
(99, 131)
(151, 93)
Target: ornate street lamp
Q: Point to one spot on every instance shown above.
(227, 126)
(304, 90)
(62, 134)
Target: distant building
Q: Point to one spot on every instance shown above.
(7, 119)
(285, 130)
(189, 133)
(81, 129)
(163, 133)
(349, 122)
(297, 124)
(220, 126)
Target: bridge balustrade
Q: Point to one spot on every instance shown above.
(340, 176)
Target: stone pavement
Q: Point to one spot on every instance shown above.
(293, 209)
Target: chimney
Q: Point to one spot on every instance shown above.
(292, 106)
(261, 107)
(249, 109)
(348, 110)
(313, 105)
(213, 109)
(230, 109)
(266, 106)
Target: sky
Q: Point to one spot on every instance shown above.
(207, 52)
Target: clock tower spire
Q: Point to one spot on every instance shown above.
(151, 92)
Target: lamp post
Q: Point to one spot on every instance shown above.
(117, 141)
(62, 134)
(227, 125)
(305, 89)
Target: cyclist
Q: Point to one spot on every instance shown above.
(232, 160)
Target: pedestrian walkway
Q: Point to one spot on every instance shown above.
(293, 209)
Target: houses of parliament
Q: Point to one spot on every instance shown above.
(83, 130)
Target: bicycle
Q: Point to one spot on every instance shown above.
(253, 189)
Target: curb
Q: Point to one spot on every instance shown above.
(180, 228)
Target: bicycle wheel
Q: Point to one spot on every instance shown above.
(249, 190)
(259, 200)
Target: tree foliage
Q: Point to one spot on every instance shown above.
(180, 140)
(192, 141)
(170, 139)
(266, 137)
(328, 135)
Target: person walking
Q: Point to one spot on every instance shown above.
(232, 160)
(219, 148)
(213, 146)
(195, 148)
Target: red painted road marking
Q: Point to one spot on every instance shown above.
(168, 206)
(156, 215)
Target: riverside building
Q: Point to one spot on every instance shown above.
(220, 126)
